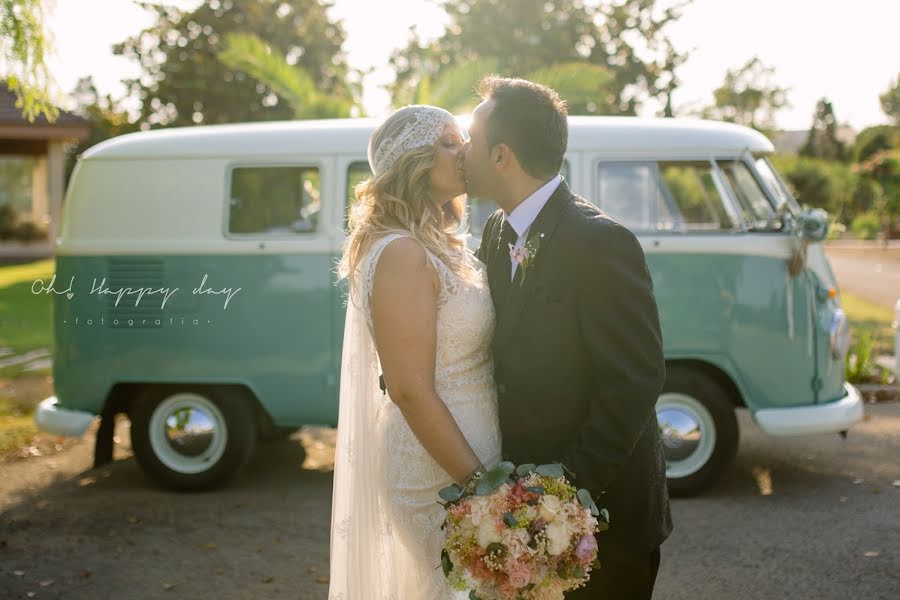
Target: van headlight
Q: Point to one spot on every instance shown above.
(840, 335)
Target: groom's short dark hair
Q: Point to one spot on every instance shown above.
(530, 118)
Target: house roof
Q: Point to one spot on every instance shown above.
(14, 125)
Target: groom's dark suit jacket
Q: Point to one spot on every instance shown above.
(578, 362)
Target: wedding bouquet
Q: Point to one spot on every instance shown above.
(520, 533)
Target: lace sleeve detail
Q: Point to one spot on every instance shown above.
(448, 279)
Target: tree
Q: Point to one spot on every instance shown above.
(184, 82)
(749, 97)
(822, 141)
(890, 101)
(872, 140)
(108, 118)
(248, 53)
(24, 44)
(523, 37)
(582, 85)
(883, 168)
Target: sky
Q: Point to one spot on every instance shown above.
(847, 51)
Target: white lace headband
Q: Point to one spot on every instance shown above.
(422, 130)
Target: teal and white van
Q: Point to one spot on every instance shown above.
(195, 287)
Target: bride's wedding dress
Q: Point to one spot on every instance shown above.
(386, 538)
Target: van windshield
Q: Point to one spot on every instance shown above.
(776, 184)
(758, 211)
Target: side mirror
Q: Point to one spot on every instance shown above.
(812, 225)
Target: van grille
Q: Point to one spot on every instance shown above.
(123, 273)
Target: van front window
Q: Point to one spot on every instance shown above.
(677, 196)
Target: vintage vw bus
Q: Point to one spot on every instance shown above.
(195, 287)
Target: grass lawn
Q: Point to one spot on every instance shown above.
(25, 324)
(871, 317)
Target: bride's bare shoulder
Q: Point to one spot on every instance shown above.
(403, 260)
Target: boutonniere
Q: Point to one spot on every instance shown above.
(525, 255)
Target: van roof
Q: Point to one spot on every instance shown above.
(350, 136)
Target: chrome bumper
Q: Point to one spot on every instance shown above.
(832, 417)
(51, 418)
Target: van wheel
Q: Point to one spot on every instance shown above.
(698, 428)
(192, 439)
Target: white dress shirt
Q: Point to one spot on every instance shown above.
(522, 216)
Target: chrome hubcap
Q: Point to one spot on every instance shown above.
(688, 433)
(188, 433)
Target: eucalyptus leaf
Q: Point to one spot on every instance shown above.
(550, 470)
(605, 514)
(584, 497)
(601, 526)
(578, 572)
(451, 493)
(526, 469)
(594, 511)
(510, 520)
(507, 467)
(473, 596)
(446, 565)
(536, 489)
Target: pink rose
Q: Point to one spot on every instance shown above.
(586, 547)
(519, 575)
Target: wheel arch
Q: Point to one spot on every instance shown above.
(714, 372)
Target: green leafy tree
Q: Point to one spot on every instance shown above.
(107, 117)
(183, 80)
(822, 141)
(883, 168)
(749, 97)
(248, 53)
(872, 140)
(523, 37)
(580, 84)
(890, 101)
(24, 45)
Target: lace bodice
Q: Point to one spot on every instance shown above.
(465, 321)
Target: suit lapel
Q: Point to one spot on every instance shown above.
(513, 302)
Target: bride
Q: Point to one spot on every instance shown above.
(420, 315)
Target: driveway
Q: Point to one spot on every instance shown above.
(811, 517)
(870, 274)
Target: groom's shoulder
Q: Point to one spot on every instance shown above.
(591, 224)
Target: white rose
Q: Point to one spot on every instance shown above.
(487, 533)
(558, 538)
(550, 507)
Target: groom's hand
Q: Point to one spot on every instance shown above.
(619, 324)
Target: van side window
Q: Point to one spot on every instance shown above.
(759, 213)
(274, 200)
(666, 196)
(356, 172)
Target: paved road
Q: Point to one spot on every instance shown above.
(867, 275)
(803, 518)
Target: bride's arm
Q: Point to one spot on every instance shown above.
(404, 317)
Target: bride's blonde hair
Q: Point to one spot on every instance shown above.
(399, 200)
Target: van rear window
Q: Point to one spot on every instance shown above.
(274, 200)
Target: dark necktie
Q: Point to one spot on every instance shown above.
(509, 236)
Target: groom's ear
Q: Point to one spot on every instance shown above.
(500, 155)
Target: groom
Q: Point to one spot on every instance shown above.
(577, 348)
